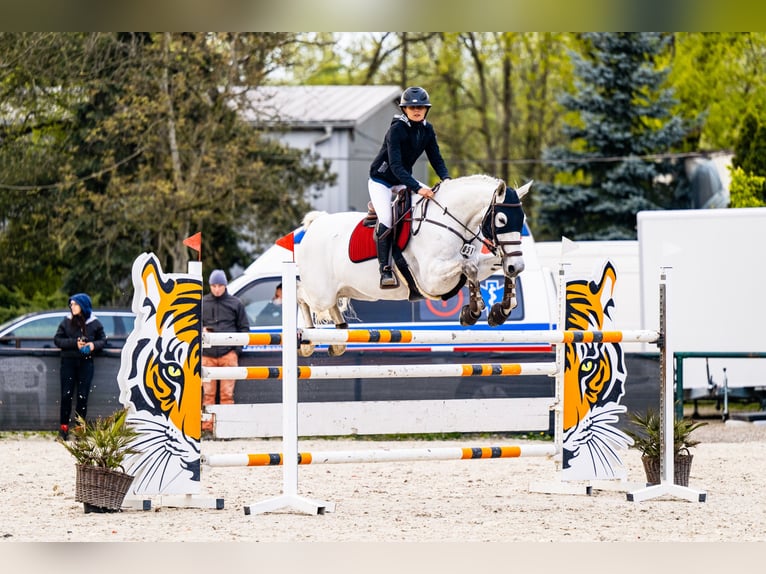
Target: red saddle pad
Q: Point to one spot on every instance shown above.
(362, 247)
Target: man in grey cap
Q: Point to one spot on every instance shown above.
(224, 313)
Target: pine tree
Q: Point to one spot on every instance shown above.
(621, 117)
(750, 148)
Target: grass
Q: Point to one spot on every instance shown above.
(707, 407)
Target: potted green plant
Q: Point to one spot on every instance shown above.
(100, 448)
(648, 436)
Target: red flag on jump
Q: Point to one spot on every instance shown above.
(195, 242)
(287, 241)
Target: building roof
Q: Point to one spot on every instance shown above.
(310, 106)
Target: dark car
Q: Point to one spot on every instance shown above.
(36, 330)
(30, 366)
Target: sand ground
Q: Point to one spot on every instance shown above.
(447, 504)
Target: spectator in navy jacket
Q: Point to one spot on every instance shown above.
(79, 336)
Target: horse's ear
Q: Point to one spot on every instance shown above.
(522, 191)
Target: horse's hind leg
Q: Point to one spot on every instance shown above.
(340, 323)
(306, 349)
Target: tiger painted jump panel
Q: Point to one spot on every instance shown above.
(160, 381)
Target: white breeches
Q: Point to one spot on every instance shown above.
(382, 198)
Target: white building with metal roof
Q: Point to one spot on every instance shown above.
(342, 124)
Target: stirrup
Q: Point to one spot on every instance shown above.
(387, 279)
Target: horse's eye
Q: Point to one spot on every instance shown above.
(501, 220)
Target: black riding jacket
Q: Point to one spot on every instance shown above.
(404, 143)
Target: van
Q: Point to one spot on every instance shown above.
(256, 287)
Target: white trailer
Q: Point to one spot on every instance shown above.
(716, 300)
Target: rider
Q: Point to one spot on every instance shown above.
(406, 140)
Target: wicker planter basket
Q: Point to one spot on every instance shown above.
(101, 489)
(681, 467)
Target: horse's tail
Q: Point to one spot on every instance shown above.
(311, 216)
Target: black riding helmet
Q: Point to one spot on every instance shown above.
(415, 96)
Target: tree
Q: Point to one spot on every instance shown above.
(748, 171)
(619, 128)
(719, 77)
(747, 190)
(144, 143)
(493, 94)
(750, 147)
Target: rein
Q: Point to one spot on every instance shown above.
(467, 248)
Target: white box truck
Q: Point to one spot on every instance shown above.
(716, 302)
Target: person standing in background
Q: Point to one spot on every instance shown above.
(79, 336)
(271, 314)
(223, 313)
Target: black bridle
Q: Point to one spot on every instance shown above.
(489, 230)
(514, 221)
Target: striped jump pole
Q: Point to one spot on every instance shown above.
(382, 371)
(383, 455)
(334, 336)
(433, 337)
(290, 372)
(240, 339)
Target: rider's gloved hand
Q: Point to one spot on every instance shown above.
(426, 192)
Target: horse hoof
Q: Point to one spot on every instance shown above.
(496, 316)
(306, 350)
(467, 318)
(336, 350)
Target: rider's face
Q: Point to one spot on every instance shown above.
(415, 113)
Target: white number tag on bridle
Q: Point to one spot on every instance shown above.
(467, 250)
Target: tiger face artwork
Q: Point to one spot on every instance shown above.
(160, 382)
(594, 383)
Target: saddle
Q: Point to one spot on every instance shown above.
(362, 245)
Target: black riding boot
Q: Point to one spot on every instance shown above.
(384, 242)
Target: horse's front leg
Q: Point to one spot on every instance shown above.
(470, 313)
(501, 311)
(340, 323)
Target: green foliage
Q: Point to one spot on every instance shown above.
(747, 190)
(647, 437)
(13, 302)
(718, 77)
(743, 149)
(623, 113)
(105, 442)
(750, 152)
(133, 142)
(147, 145)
